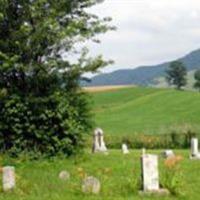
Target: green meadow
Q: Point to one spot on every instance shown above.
(139, 110)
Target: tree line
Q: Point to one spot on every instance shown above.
(176, 75)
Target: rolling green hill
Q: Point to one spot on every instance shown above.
(145, 110)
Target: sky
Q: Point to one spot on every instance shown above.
(148, 31)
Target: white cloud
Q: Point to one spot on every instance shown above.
(149, 31)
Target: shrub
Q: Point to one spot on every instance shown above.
(48, 125)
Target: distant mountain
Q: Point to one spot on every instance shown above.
(144, 75)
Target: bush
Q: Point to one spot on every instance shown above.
(47, 125)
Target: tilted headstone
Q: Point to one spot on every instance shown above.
(125, 149)
(168, 153)
(150, 174)
(8, 178)
(91, 185)
(98, 141)
(194, 149)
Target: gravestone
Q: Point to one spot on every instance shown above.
(64, 175)
(168, 153)
(8, 178)
(125, 149)
(194, 149)
(96, 146)
(150, 172)
(98, 141)
(150, 175)
(102, 143)
(91, 185)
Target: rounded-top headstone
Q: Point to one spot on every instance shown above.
(125, 149)
(64, 175)
(168, 153)
(98, 131)
(91, 185)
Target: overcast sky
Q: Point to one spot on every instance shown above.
(148, 31)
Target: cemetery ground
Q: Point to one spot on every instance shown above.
(120, 113)
(120, 177)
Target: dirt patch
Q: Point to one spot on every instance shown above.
(106, 88)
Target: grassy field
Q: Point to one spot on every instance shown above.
(119, 112)
(145, 110)
(119, 175)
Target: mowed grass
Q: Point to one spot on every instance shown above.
(139, 110)
(118, 173)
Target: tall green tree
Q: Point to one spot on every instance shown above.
(176, 74)
(197, 80)
(42, 106)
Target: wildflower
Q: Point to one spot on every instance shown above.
(107, 171)
(171, 162)
(81, 172)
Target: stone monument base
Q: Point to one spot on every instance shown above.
(197, 157)
(155, 192)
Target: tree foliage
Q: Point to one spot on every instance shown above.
(42, 107)
(176, 74)
(197, 80)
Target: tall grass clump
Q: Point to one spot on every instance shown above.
(175, 137)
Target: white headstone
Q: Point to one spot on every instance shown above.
(194, 147)
(91, 185)
(8, 178)
(96, 146)
(150, 172)
(98, 141)
(168, 153)
(125, 149)
(102, 144)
